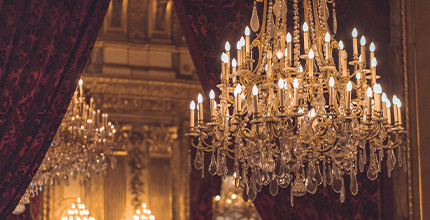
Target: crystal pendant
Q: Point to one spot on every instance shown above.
(372, 171)
(198, 161)
(360, 161)
(391, 161)
(284, 176)
(213, 165)
(265, 178)
(274, 188)
(318, 176)
(330, 175)
(342, 192)
(298, 188)
(278, 9)
(311, 184)
(252, 194)
(353, 185)
(255, 22)
(399, 156)
(337, 184)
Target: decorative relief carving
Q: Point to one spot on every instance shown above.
(159, 140)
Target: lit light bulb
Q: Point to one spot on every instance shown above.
(358, 75)
(341, 45)
(238, 89)
(81, 82)
(279, 54)
(300, 68)
(331, 82)
(144, 205)
(79, 200)
(384, 97)
(372, 47)
(312, 113)
(281, 83)
(363, 41)
(305, 27)
(374, 62)
(369, 92)
(359, 58)
(200, 98)
(234, 63)
(377, 88)
(388, 103)
(286, 52)
(327, 37)
(349, 86)
(295, 83)
(227, 46)
(242, 41)
(212, 94)
(311, 54)
(233, 196)
(255, 90)
(354, 32)
(247, 32)
(217, 198)
(288, 37)
(238, 45)
(224, 57)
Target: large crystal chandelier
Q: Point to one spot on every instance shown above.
(83, 145)
(295, 116)
(77, 212)
(143, 214)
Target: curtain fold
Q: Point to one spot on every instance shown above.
(208, 24)
(44, 47)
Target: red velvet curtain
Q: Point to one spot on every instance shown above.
(44, 47)
(208, 24)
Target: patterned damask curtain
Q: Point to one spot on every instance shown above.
(44, 47)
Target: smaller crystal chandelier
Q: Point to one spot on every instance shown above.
(83, 145)
(231, 205)
(78, 212)
(143, 214)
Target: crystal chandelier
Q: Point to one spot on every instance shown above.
(83, 145)
(143, 214)
(78, 212)
(284, 124)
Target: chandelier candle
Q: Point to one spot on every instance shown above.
(255, 98)
(227, 51)
(288, 54)
(192, 108)
(377, 93)
(348, 95)
(311, 63)
(280, 135)
(305, 36)
(200, 108)
(327, 46)
(247, 33)
(226, 68)
(363, 50)
(374, 63)
(372, 51)
(354, 41)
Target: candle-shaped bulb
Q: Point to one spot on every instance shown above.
(192, 105)
(81, 82)
(341, 45)
(286, 52)
(358, 75)
(359, 58)
(200, 98)
(311, 54)
(374, 62)
(247, 32)
(212, 94)
(224, 58)
(354, 32)
(281, 83)
(331, 82)
(388, 103)
(372, 47)
(288, 37)
(377, 88)
(369, 92)
(234, 63)
(384, 97)
(312, 113)
(237, 90)
(327, 37)
(242, 41)
(279, 54)
(265, 68)
(349, 86)
(227, 46)
(254, 90)
(239, 45)
(295, 83)
(305, 27)
(300, 68)
(363, 41)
